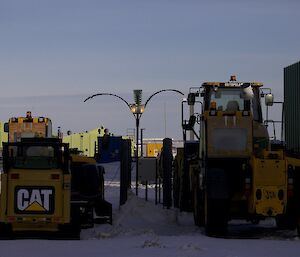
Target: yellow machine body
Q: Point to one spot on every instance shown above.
(269, 184)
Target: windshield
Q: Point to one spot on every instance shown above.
(35, 157)
(228, 99)
(231, 99)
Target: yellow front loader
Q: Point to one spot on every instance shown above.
(236, 171)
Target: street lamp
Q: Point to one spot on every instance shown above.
(137, 109)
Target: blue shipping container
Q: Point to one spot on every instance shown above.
(109, 149)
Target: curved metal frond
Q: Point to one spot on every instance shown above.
(163, 90)
(92, 96)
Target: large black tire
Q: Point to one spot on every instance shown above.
(286, 222)
(72, 230)
(216, 217)
(101, 172)
(5, 231)
(198, 203)
(216, 202)
(87, 216)
(298, 229)
(198, 211)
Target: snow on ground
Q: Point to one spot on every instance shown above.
(141, 228)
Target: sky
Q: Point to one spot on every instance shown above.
(82, 47)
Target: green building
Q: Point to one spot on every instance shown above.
(292, 107)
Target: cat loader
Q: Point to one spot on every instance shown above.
(45, 186)
(36, 189)
(235, 172)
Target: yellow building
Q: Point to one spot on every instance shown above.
(84, 141)
(153, 149)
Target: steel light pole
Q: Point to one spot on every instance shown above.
(137, 109)
(142, 141)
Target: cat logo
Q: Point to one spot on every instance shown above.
(34, 200)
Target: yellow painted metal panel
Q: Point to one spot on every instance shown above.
(153, 149)
(269, 177)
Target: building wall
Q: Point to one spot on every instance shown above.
(84, 141)
(152, 146)
(153, 149)
(292, 107)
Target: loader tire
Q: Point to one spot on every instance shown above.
(5, 231)
(216, 202)
(286, 222)
(198, 205)
(216, 217)
(196, 210)
(72, 230)
(90, 181)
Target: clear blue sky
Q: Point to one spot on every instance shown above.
(86, 46)
(67, 47)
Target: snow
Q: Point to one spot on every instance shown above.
(141, 228)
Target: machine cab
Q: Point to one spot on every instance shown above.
(233, 97)
(232, 116)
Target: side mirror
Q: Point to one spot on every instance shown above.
(247, 92)
(6, 127)
(269, 99)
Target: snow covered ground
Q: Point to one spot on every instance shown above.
(141, 228)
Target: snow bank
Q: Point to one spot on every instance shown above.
(141, 228)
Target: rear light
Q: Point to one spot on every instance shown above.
(54, 176)
(15, 176)
(11, 219)
(290, 192)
